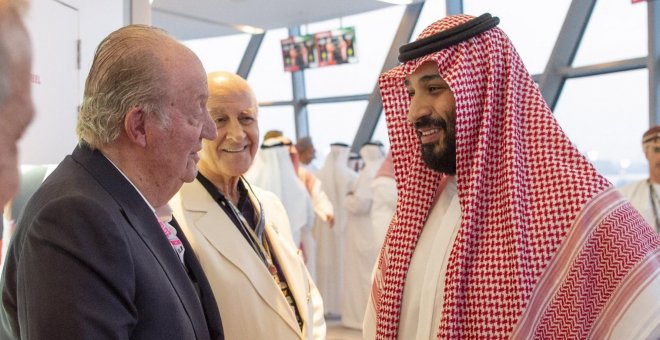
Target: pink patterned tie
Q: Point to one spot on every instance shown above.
(164, 215)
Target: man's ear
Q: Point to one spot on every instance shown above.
(134, 126)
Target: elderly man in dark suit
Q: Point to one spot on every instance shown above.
(94, 257)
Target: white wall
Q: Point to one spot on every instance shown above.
(52, 134)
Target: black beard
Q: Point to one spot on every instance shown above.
(443, 161)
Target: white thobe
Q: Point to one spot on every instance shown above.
(336, 180)
(423, 294)
(383, 206)
(638, 193)
(361, 248)
(273, 170)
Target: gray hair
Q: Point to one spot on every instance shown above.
(127, 72)
(10, 40)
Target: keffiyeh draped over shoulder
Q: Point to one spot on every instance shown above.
(543, 236)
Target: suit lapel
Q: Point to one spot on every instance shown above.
(287, 260)
(140, 216)
(223, 235)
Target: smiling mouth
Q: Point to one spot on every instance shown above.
(235, 150)
(428, 132)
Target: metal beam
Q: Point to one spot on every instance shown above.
(653, 62)
(323, 100)
(338, 99)
(250, 54)
(375, 106)
(603, 68)
(566, 45)
(454, 7)
(599, 69)
(299, 96)
(277, 103)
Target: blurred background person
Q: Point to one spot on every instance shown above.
(384, 202)
(241, 233)
(16, 109)
(337, 179)
(307, 153)
(272, 134)
(361, 246)
(273, 170)
(323, 209)
(269, 171)
(644, 194)
(355, 162)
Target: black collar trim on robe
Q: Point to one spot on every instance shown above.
(446, 38)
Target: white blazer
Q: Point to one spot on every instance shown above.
(251, 304)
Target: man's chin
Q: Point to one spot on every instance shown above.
(191, 174)
(438, 160)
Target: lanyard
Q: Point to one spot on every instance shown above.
(256, 238)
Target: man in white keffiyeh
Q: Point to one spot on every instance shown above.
(336, 180)
(503, 229)
(361, 245)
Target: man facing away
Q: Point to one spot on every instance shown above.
(90, 258)
(16, 110)
(503, 229)
(643, 195)
(306, 153)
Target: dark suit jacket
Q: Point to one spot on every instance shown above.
(89, 261)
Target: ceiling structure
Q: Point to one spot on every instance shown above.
(209, 18)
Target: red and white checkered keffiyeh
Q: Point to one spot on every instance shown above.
(521, 185)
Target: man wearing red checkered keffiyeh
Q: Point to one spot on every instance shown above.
(503, 229)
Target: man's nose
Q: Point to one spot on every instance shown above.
(418, 109)
(208, 129)
(234, 130)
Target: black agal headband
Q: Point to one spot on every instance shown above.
(447, 38)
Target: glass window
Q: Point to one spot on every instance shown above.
(220, 53)
(277, 118)
(267, 77)
(617, 30)
(372, 41)
(432, 11)
(532, 26)
(605, 117)
(380, 133)
(335, 122)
